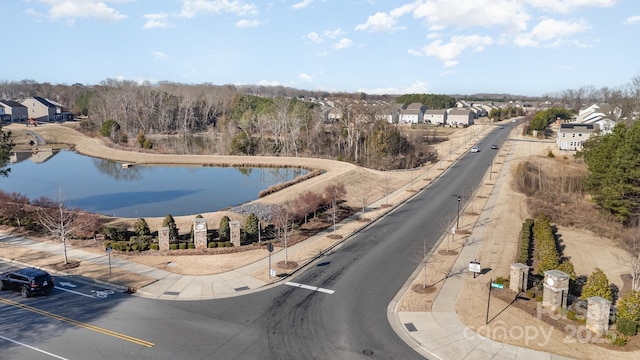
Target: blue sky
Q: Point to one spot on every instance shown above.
(523, 47)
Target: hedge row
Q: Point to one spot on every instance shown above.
(546, 250)
(525, 242)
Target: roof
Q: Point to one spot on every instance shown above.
(11, 103)
(43, 101)
(573, 126)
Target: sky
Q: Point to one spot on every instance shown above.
(518, 47)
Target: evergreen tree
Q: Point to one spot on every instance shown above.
(251, 227)
(224, 231)
(141, 228)
(597, 285)
(5, 151)
(629, 306)
(170, 222)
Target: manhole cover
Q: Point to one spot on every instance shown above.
(367, 352)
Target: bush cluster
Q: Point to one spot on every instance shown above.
(215, 244)
(546, 251)
(525, 242)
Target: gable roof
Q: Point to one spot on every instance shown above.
(11, 103)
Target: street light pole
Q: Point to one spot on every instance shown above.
(458, 216)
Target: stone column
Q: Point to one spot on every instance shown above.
(234, 229)
(163, 238)
(598, 314)
(200, 233)
(556, 288)
(519, 277)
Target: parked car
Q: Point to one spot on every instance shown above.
(500, 127)
(29, 281)
(494, 147)
(475, 149)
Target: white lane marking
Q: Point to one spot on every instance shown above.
(75, 292)
(33, 348)
(309, 287)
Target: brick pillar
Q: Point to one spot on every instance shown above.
(556, 288)
(163, 238)
(200, 233)
(598, 314)
(234, 229)
(519, 277)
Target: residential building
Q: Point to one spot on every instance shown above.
(460, 117)
(437, 117)
(413, 114)
(572, 136)
(16, 112)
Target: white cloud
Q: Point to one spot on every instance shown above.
(156, 21)
(191, 8)
(439, 14)
(159, 55)
(314, 37)
(343, 44)
(633, 20)
(551, 33)
(248, 23)
(302, 4)
(449, 52)
(73, 9)
(565, 6)
(379, 22)
(305, 77)
(332, 34)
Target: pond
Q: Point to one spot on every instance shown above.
(106, 187)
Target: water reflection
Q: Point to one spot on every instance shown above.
(116, 171)
(104, 186)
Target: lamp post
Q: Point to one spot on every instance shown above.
(458, 216)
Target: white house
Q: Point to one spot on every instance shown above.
(436, 116)
(460, 117)
(413, 114)
(572, 136)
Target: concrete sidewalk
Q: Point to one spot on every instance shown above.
(436, 334)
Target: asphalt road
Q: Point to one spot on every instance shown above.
(346, 318)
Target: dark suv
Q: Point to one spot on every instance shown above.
(29, 281)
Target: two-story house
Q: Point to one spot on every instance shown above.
(460, 117)
(14, 111)
(572, 136)
(436, 117)
(413, 114)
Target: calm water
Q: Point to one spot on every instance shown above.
(103, 186)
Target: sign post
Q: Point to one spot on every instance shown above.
(475, 268)
(270, 249)
(108, 250)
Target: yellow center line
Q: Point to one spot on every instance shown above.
(78, 323)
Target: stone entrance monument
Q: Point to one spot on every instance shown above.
(598, 314)
(163, 238)
(556, 288)
(519, 277)
(200, 233)
(234, 229)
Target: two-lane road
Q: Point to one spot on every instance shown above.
(335, 309)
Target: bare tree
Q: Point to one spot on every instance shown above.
(364, 200)
(282, 216)
(59, 219)
(334, 193)
(387, 187)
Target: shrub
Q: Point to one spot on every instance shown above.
(525, 242)
(182, 246)
(134, 247)
(546, 251)
(173, 246)
(618, 340)
(155, 247)
(627, 326)
(211, 245)
(629, 306)
(597, 285)
(191, 246)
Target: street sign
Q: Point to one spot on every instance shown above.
(474, 267)
(270, 247)
(272, 272)
(497, 286)
(108, 249)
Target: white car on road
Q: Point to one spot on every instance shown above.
(475, 149)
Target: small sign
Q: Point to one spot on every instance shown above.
(108, 249)
(270, 247)
(453, 230)
(497, 286)
(474, 267)
(272, 272)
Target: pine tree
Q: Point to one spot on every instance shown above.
(629, 306)
(224, 231)
(170, 222)
(597, 285)
(141, 228)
